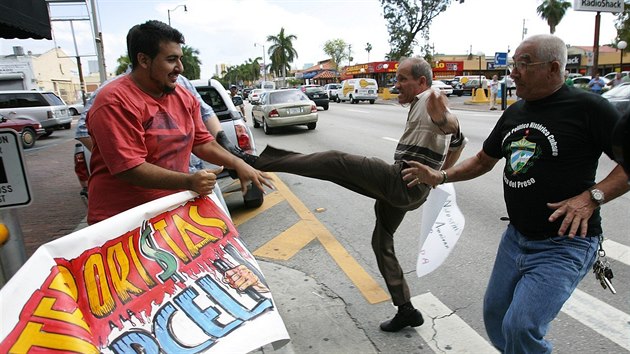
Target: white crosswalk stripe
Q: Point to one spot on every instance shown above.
(617, 251)
(439, 334)
(441, 322)
(607, 320)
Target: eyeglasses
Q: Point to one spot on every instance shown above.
(522, 66)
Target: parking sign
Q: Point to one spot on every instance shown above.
(14, 188)
(500, 59)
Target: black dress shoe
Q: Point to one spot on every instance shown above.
(403, 319)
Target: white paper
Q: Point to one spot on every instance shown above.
(442, 224)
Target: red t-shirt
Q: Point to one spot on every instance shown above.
(129, 127)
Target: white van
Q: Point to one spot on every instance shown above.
(356, 90)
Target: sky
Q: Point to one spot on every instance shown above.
(232, 31)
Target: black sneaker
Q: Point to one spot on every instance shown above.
(403, 319)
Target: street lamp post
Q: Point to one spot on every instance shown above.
(264, 64)
(176, 7)
(621, 45)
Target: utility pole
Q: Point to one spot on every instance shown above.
(349, 53)
(98, 38)
(524, 31)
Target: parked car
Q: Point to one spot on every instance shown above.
(316, 94)
(619, 97)
(331, 89)
(43, 106)
(246, 92)
(254, 95)
(233, 124)
(75, 109)
(28, 129)
(611, 76)
(357, 90)
(473, 83)
(284, 108)
(582, 82)
(444, 88)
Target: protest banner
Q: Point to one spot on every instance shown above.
(442, 224)
(169, 276)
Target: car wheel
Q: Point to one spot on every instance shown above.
(337, 100)
(266, 128)
(372, 101)
(311, 126)
(325, 107)
(28, 138)
(48, 133)
(74, 111)
(67, 126)
(460, 94)
(256, 124)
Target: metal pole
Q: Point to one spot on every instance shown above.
(595, 68)
(169, 16)
(12, 254)
(76, 52)
(99, 43)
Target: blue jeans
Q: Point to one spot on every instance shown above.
(530, 282)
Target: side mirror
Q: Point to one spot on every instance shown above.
(237, 100)
(3, 119)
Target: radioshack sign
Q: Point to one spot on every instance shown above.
(598, 5)
(574, 60)
(14, 189)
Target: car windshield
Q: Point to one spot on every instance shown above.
(286, 96)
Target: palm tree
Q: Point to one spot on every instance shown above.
(282, 52)
(553, 11)
(191, 62)
(123, 63)
(368, 49)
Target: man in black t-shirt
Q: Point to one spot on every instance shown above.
(551, 141)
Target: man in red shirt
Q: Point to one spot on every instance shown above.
(144, 127)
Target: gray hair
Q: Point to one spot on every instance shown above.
(419, 67)
(550, 48)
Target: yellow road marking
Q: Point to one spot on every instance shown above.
(288, 243)
(271, 199)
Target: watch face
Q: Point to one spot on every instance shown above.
(597, 195)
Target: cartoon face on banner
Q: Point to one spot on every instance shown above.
(178, 283)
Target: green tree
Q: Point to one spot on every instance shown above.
(336, 49)
(622, 24)
(281, 52)
(123, 63)
(405, 19)
(552, 11)
(191, 62)
(368, 49)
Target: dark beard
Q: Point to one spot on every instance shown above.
(167, 89)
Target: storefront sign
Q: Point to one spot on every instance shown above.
(598, 5)
(574, 60)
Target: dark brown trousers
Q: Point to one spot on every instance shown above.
(371, 177)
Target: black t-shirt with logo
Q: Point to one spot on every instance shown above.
(551, 147)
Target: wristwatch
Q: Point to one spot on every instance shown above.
(597, 195)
